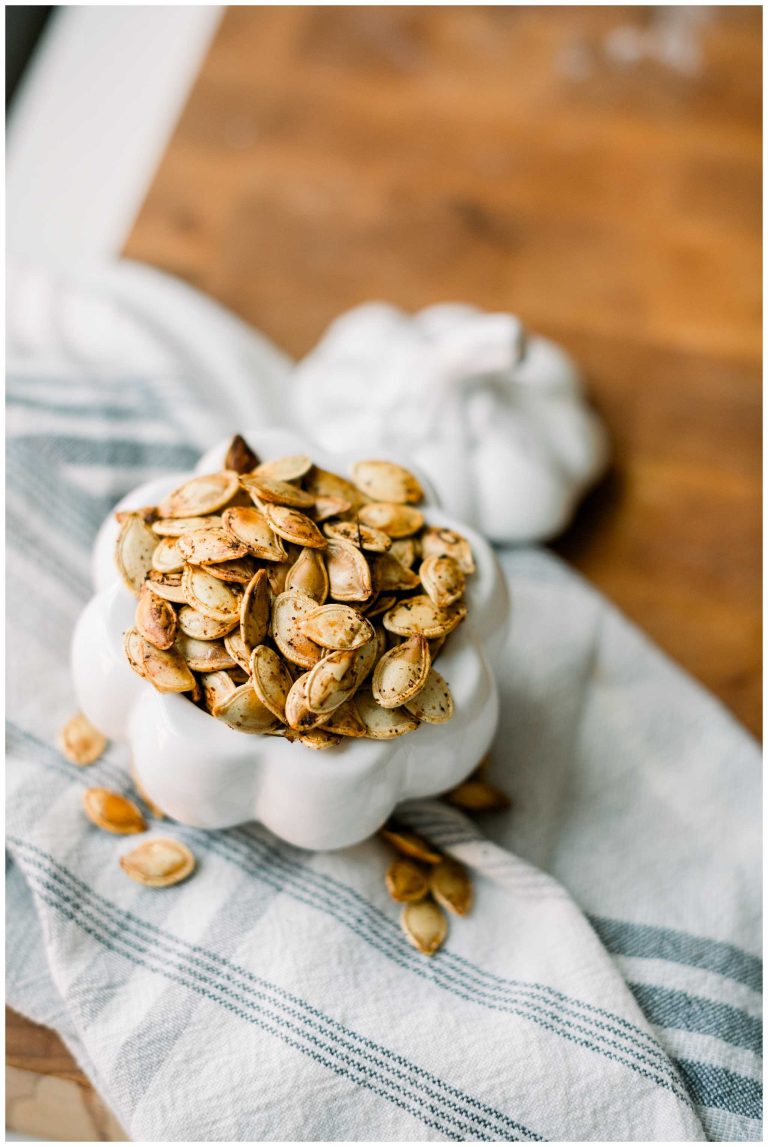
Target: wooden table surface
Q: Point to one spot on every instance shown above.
(594, 170)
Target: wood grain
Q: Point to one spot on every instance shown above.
(509, 157)
(520, 160)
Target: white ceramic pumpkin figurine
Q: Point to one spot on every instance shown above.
(495, 416)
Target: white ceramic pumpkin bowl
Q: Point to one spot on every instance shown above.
(203, 773)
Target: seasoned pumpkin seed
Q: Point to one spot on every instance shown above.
(309, 575)
(433, 704)
(113, 812)
(203, 628)
(407, 881)
(425, 925)
(248, 525)
(209, 545)
(329, 507)
(332, 681)
(297, 711)
(208, 595)
(239, 570)
(290, 468)
(442, 578)
(217, 687)
(396, 521)
(167, 586)
(134, 548)
(337, 627)
(390, 574)
(475, 795)
(289, 610)
(240, 458)
(401, 673)
(364, 537)
(382, 724)
(200, 496)
(238, 650)
(440, 542)
(204, 656)
(166, 669)
(167, 557)
(80, 741)
(346, 721)
(175, 527)
(405, 550)
(254, 611)
(409, 843)
(270, 679)
(155, 619)
(158, 863)
(293, 526)
(386, 482)
(348, 571)
(451, 887)
(267, 489)
(420, 615)
(319, 739)
(323, 484)
(243, 710)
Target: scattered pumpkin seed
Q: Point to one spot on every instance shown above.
(112, 811)
(425, 925)
(158, 863)
(409, 843)
(451, 887)
(407, 881)
(475, 795)
(80, 741)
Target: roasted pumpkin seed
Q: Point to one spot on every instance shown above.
(113, 812)
(332, 681)
(420, 615)
(204, 656)
(407, 881)
(475, 795)
(297, 711)
(386, 482)
(238, 650)
(242, 710)
(390, 574)
(134, 548)
(240, 458)
(175, 527)
(80, 741)
(451, 887)
(293, 526)
(166, 669)
(309, 575)
(323, 484)
(348, 571)
(405, 550)
(443, 579)
(319, 739)
(155, 619)
(208, 595)
(436, 541)
(289, 610)
(200, 496)
(167, 557)
(167, 586)
(425, 925)
(239, 570)
(401, 673)
(209, 546)
(364, 537)
(329, 507)
(382, 724)
(248, 525)
(254, 611)
(270, 679)
(158, 863)
(346, 721)
(409, 843)
(337, 627)
(217, 687)
(202, 628)
(273, 490)
(396, 521)
(290, 468)
(433, 704)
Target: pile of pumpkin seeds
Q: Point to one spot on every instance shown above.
(287, 600)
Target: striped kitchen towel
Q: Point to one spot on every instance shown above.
(607, 985)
